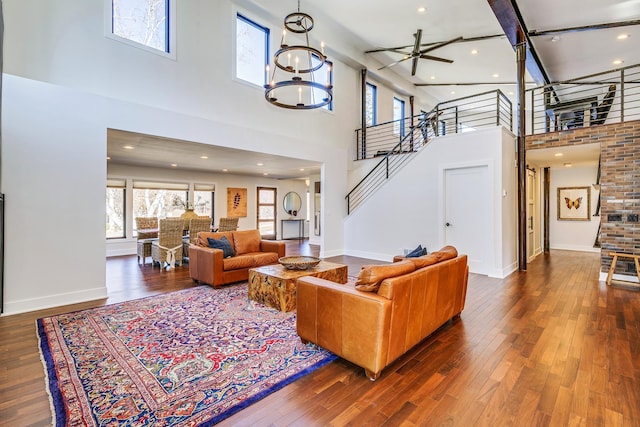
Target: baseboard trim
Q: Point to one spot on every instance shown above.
(50, 301)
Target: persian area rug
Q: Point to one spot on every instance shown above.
(192, 357)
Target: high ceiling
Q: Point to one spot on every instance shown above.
(556, 29)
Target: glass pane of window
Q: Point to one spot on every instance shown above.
(267, 212)
(324, 76)
(160, 203)
(398, 116)
(252, 47)
(372, 104)
(267, 228)
(142, 21)
(203, 203)
(266, 196)
(115, 213)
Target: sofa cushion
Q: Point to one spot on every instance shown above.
(264, 258)
(419, 251)
(201, 239)
(246, 241)
(224, 244)
(238, 262)
(370, 276)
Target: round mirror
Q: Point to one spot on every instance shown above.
(292, 203)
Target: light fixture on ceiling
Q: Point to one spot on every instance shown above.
(474, 52)
(422, 9)
(302, 65)
(555, 39)
(622, 36)
(618, 62)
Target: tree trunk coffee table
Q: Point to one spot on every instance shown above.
(275, 286)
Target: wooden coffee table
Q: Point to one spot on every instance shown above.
(275, 286)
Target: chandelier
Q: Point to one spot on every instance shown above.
(304, 74)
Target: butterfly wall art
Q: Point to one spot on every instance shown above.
(574, 203)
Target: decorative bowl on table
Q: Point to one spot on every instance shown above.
(299, 262)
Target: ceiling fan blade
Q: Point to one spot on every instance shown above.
(395, 63)
(435, 58)
(385, 49)
(439, 45)
(414, 66)
(416, 46)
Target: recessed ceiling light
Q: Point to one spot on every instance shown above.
(510, 93)
(204, 157)
(432, 77)
(555, 39)
(558, 154)
(127, 147)
(422, 9)
(567, 165)
(174, 165)
(496, 75)
(301, 169)
(225, 170)
(108, 158)
(265, 174)
(618, 62)
(623, 36)
(474, 52)
(259, 164)
(453, 92)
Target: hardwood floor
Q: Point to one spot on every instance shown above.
(552, 346)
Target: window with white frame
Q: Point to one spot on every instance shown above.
(252, 51)
(324, 76)
(398, 116)
(159, 199)
(147, 23)
(371, 97)
(203, 199)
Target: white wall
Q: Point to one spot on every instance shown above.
(573, 235)
(408, 209)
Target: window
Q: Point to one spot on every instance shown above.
(203, 199)
(159, 199)
(372, 105)
(143, 22)
(398, 116)
(324, 76)
(115, 209)
(252, 51)
(267, 212)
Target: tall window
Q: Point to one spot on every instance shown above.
(203, 199)
(252, 51)
(115, 209)
(145, 22)
(323, 76)
(398, 116)
(267, 212)
(372, 105)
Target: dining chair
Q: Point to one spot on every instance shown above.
(228, 224)
(196, 225)
(146, 223)
(168, 248)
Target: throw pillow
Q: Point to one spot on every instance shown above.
(371, 275)
(419, 251)
(224, 244)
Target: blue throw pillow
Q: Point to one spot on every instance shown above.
(224, 244)
(419, 251)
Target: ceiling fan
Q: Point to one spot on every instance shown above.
(416, 53)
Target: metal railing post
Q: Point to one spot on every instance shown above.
(457, 120)
(621, 96)
(498, 107)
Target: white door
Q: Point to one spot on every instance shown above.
(467, 218)
(531, 215)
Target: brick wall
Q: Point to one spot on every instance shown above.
(619, 184)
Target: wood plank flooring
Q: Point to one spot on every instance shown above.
(549, 347)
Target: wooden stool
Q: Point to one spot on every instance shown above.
(615, 256)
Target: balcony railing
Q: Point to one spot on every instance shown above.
(395, 142)
(608, 97)
(465, 114)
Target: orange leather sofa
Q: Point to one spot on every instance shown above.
(208, 265)
(404, 303)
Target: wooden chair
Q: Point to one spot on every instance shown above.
(146, 223)
(228, 224)
(168, 247)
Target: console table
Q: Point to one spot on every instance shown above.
(300, 227)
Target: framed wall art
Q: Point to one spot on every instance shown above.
(574, 203)
(236, 202)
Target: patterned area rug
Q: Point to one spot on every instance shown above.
(192, 357)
